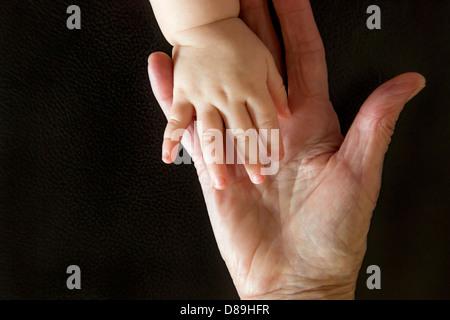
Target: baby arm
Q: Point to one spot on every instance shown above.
(223, 74)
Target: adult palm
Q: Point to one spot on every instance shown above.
(302, 232)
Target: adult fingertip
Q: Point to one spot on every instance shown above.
(402, 88)
(155, 56)
(152, 68)
(420, 85)
(149, 58)
(415, 92)
(421, 80)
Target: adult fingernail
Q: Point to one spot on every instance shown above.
(416, 92)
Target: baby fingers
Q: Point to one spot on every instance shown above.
(265, 119)
(245, 139)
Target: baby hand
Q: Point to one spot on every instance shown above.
(223, 74)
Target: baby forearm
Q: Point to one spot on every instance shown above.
(176, 16)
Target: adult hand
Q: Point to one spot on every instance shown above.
(302, 233)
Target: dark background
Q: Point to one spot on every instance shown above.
(81, 180)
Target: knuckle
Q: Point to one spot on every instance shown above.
(254, 90)
(386, 129)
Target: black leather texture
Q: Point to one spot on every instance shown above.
(82, 181)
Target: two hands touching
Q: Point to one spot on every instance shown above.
(299, 234)
(227, 79)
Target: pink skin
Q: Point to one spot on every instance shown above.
(301, 234)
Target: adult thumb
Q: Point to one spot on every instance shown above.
(367, 141)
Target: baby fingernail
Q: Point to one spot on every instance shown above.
(219, 183)
(166, 156)
(257, 178)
